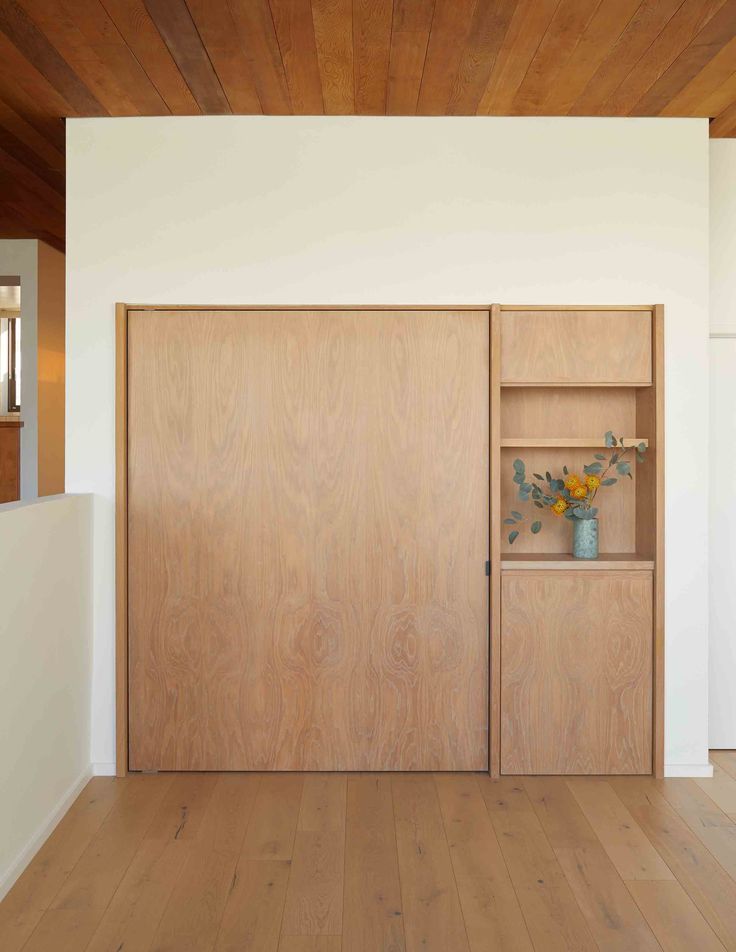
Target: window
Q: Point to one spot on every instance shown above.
(13, 364)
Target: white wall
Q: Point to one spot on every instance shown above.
(20, 256)
(249, 210)
(723, 442)
(46, 661)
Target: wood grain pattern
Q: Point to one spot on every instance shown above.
(567, 412)
(286, 643)
(333, 32)
(576, 680)
(674, 917)
(494, 397)
(121, 540)
(507, 864)
(432, 913)
(553, 917)
(372, 906)
(534, 348)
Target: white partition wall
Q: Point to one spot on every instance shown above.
(296, 210)
(46, 661)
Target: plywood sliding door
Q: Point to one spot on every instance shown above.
(307, 538)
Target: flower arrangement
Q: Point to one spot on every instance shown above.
(572, 496)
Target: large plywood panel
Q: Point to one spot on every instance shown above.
(576, 673)
(308, 530)
(614, 347)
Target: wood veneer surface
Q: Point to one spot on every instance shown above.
(308, 530)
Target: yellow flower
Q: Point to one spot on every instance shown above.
(592, 482)
(572, 481)
(559, 507)
(579, 492)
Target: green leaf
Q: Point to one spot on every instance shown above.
(624, 468)
(549, 478)
(539, 505)
(537, 476)
(519, 478)
(592, 469)
(599, 456)
(569, 514)
(516, 515)
(536, 526)
(512, 536)
(509, 522)
(565, 470)
(614, 458)
(610, 438)
(642, 447)
(609, 482)
(519, 466)
(640, 457)
(557, 484)
(578, 512)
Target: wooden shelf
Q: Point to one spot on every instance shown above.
(581, 384)
(565, 442)
(560, 561)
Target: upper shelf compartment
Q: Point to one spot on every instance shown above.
(536, 351)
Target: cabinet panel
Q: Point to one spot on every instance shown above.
(576, 673)
(535, 347)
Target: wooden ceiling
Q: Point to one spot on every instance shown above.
(64, 58)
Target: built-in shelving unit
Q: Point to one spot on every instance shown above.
(577, 658)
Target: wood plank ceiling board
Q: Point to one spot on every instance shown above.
(451, 23)
(216, 27)
(371, 50)
(711, 39)
(136, 27)
(175, 24)
(295, 34)
(487, 31)
(526, 30)
(646, 24)
(679, 32)
(62, 58)
(90, 43)
(333, 34)
(254, 23)
(570, 20)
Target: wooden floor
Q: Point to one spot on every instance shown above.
(372, 863)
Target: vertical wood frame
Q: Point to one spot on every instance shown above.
(121, 540)
(653, 419)
(494, 531)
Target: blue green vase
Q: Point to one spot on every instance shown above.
(585, 538)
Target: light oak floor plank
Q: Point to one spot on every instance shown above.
(433, 920)
(35, 890)
(630, 851)
(673, 916)
(553, 917)
(489, 902)
(612, 915)
(372, 907)
(687, 853)
(383, 863)
(721, 788)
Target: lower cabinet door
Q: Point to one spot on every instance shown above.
(576, 672)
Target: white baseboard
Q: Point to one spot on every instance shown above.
(9, 876)
(688, 770)
(103, 769)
